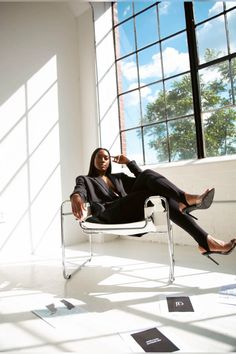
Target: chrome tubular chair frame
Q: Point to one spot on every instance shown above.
(91, 229)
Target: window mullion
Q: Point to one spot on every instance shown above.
(193, 58)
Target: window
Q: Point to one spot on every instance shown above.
(176, 75)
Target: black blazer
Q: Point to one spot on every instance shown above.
(95, 190)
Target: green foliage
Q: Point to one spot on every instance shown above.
(178, 136)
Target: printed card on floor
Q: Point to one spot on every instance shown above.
(179, 304)
(152, 340)
(58, 311)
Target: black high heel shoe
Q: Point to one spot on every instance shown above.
(204, 204)
(208, 253)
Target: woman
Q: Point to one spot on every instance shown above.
(118, 198)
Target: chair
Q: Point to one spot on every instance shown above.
(156, 211)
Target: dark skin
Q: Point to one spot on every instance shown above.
(101, 162)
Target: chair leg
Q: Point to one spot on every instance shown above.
(170, 246)
(66, 274)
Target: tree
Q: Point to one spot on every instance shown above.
(178, 136)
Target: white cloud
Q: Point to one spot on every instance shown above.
(216, 8)
(174, 62)
(126, 11)
(163, 7)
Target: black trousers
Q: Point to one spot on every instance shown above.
(131, 207)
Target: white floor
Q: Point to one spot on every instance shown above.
(121, 291)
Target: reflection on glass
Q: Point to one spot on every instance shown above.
(149, 65)
(129, 110)
(153, 103)
(132, 145)
(211, 37)
(122, 10)
(182, 139)
(220, 132)
(206, 9)
(175, 55)
(146, 27)
(127, 71)
(155, 144)
(141, 5)
(178, 95)
(125, 42)
(231, 17)
(172, 18)
(215, 86)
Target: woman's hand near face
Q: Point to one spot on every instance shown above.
(78, 206)
(120, 159)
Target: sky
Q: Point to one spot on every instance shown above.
(174, 50)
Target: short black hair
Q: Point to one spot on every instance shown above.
(93, 172)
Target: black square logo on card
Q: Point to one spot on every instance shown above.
(152, 340)
(179, 304)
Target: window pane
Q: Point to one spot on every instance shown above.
(125, 42)
(178, 94)
(206, 9)
(231, 17)
(175, 55)
(172, 18)
(149, 65)
(129, 110)
(211, 40)
(122, 10)
(153, 103)
(141, 5)
(182, 139)
(233, 68)
(229, 4)
(132, 145)
(220, 132)
(155, 144)
(127, 71)
(146, 27)
(215, 86)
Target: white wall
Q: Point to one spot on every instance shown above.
(49, 127)
(40, 122)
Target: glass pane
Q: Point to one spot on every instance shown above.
(211, 40)
(233, 68)
(178, 94)
(122, 10)
(127, 71)
(125, 42)
(220, 132)
(182, 139)
(153, 103)
(129, 110)
(146, 27)
(231, 17)
(141, 5)
(175, 55)
(206, 9)
(132, 145)
(156, 144)
(215, 86)
(172, 17)
(149, 65)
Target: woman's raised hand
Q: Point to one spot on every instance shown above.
(120, 159)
